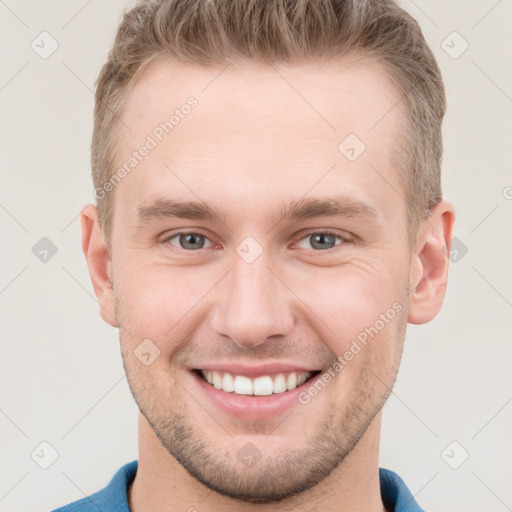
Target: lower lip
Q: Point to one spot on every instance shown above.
(253, 407)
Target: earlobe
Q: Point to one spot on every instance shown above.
(430, 262)
(99, 263)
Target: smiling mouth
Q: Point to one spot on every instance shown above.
(260, 386)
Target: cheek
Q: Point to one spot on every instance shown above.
(361, 307)
(352, 298)
(157, 301)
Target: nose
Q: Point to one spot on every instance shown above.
(253, 304)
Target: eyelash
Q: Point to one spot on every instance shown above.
(345, 240)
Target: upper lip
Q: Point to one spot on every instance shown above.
(269, 368)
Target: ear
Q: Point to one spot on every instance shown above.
(99, 263)
(429, 264)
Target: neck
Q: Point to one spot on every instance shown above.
(162, 484)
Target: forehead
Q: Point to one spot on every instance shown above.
(267, 129)
(347, 93)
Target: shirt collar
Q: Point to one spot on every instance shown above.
(114, 497)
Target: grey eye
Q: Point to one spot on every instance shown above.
(321, 240)
(190, 241)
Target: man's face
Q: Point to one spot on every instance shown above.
(256, 293)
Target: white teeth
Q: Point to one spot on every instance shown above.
(302, 378)
(217, 380)
(279, 384)
(263, 386)
(228, 383)
(260, 386)
(243, 385)
(291, 381)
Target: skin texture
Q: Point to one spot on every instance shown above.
(253, 144)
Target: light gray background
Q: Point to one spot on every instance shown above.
(62, 379)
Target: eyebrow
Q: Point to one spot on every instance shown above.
(305, 208)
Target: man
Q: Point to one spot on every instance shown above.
(269, 219)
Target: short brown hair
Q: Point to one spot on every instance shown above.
(206, 32)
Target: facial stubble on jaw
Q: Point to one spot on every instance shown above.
(277, 476)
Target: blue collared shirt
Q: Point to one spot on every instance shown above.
(114, 498)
